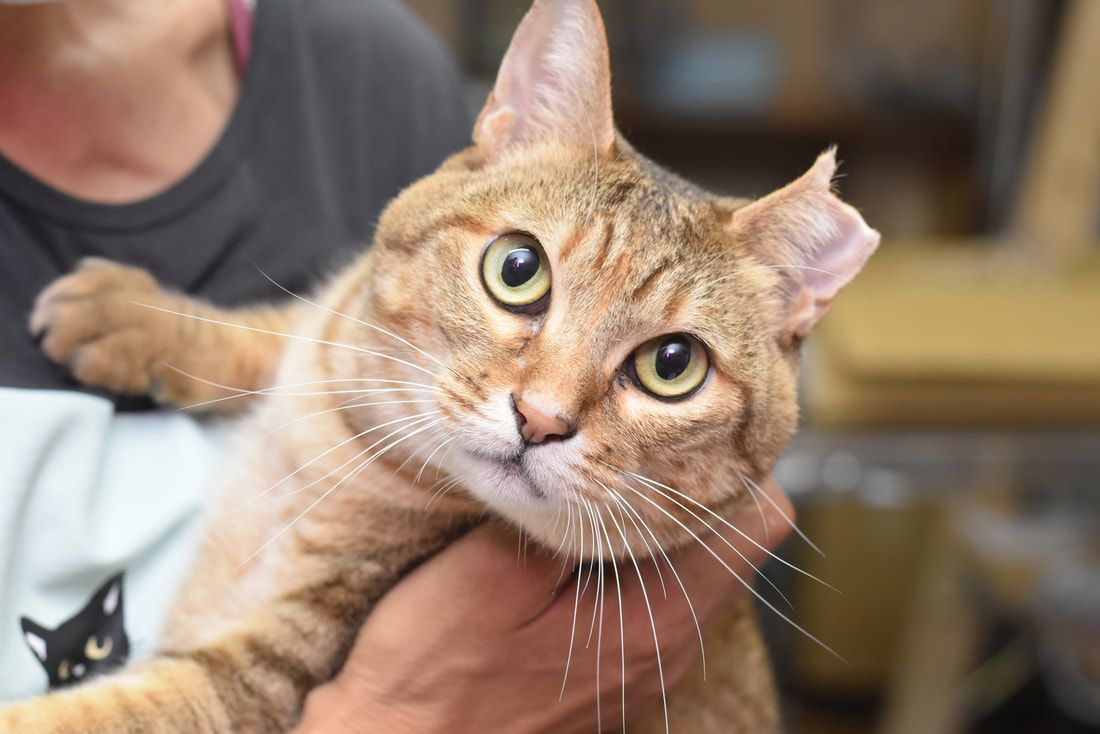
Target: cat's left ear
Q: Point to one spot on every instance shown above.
(813, 239)
(36, 636)
(108, 597)
(554, 83)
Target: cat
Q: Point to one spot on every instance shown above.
(587, 330)
(91, 642)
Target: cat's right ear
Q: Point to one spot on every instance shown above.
(815, 241)
(35, 636)
(554, 83)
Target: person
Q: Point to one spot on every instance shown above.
(209, 141)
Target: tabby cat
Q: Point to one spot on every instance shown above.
(584, 327)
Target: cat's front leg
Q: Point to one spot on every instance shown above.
(114, 327)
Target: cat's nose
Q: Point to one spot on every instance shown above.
(536, 426)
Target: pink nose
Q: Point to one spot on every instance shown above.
(536, 426)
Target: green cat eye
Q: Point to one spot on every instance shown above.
(671, 366)
(515, 272)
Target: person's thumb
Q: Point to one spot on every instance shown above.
(489, 576)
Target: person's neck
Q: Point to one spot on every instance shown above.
(113, 100)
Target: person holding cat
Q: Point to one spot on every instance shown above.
(224, 146)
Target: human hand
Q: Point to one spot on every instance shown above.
(476, 640)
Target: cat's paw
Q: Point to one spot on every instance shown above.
(101, 322)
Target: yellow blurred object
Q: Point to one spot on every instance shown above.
(953, 333)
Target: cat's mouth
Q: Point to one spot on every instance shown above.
(509, 473)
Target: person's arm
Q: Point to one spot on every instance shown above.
(476, 640)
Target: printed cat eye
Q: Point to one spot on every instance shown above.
(94, 650)
(671, 366)
(515, 273)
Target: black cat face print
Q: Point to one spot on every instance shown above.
(91, 642)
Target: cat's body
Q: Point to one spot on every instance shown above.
(309, 534)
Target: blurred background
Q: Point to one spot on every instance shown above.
(949, 460)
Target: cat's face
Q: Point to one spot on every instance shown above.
(612, 336)
(91, 642)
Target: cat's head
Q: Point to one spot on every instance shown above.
(91, 642)
(607, 334)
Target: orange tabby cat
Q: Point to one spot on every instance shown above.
(595, 340)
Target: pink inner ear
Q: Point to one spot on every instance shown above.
(833, 264)
(554, 82)
(817, 241)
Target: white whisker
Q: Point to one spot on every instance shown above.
(737, 576)
(298, 337)
(750, 484)
(419, 418)
(720, 537)
(657, 486)
(683, 589)
(367, 324)
(622, 634)
(274, 389)
(430, 457)
(652, 621)
(576, 603)
(347, 405)
(329, 491)
(649, 548)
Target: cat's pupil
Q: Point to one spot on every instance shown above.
(673, 357)
(520, 265)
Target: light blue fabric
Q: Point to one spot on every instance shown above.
(85, 493)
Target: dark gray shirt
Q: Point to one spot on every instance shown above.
(343, 103)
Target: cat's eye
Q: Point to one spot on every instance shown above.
(63, 669)
(94, 650)
(515, 272)
(671, 366)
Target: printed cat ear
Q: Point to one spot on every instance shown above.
(816, 241)
(554, 82)
(35, 636)
(110, 594)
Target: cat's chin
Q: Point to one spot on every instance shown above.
(507, 488)
(503, 481)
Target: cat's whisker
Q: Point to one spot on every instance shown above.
(566, 537)
(720, 537)
(430, 437)
(274, 389)
(315, 459)
(658, 486)
(318, 480)
(683, 589)
(328, 492)
(649, 549)
(298, 337)
(760, 511)
(447, 486)
(430, 457)
(622, 634)
(601, 595)
(347, 405)
(443, 460)
(361, 322)
(750, 485)
(597, 570)
(576, 604)
(748, 587)
(652, 620)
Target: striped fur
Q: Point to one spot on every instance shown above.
(305, 540)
